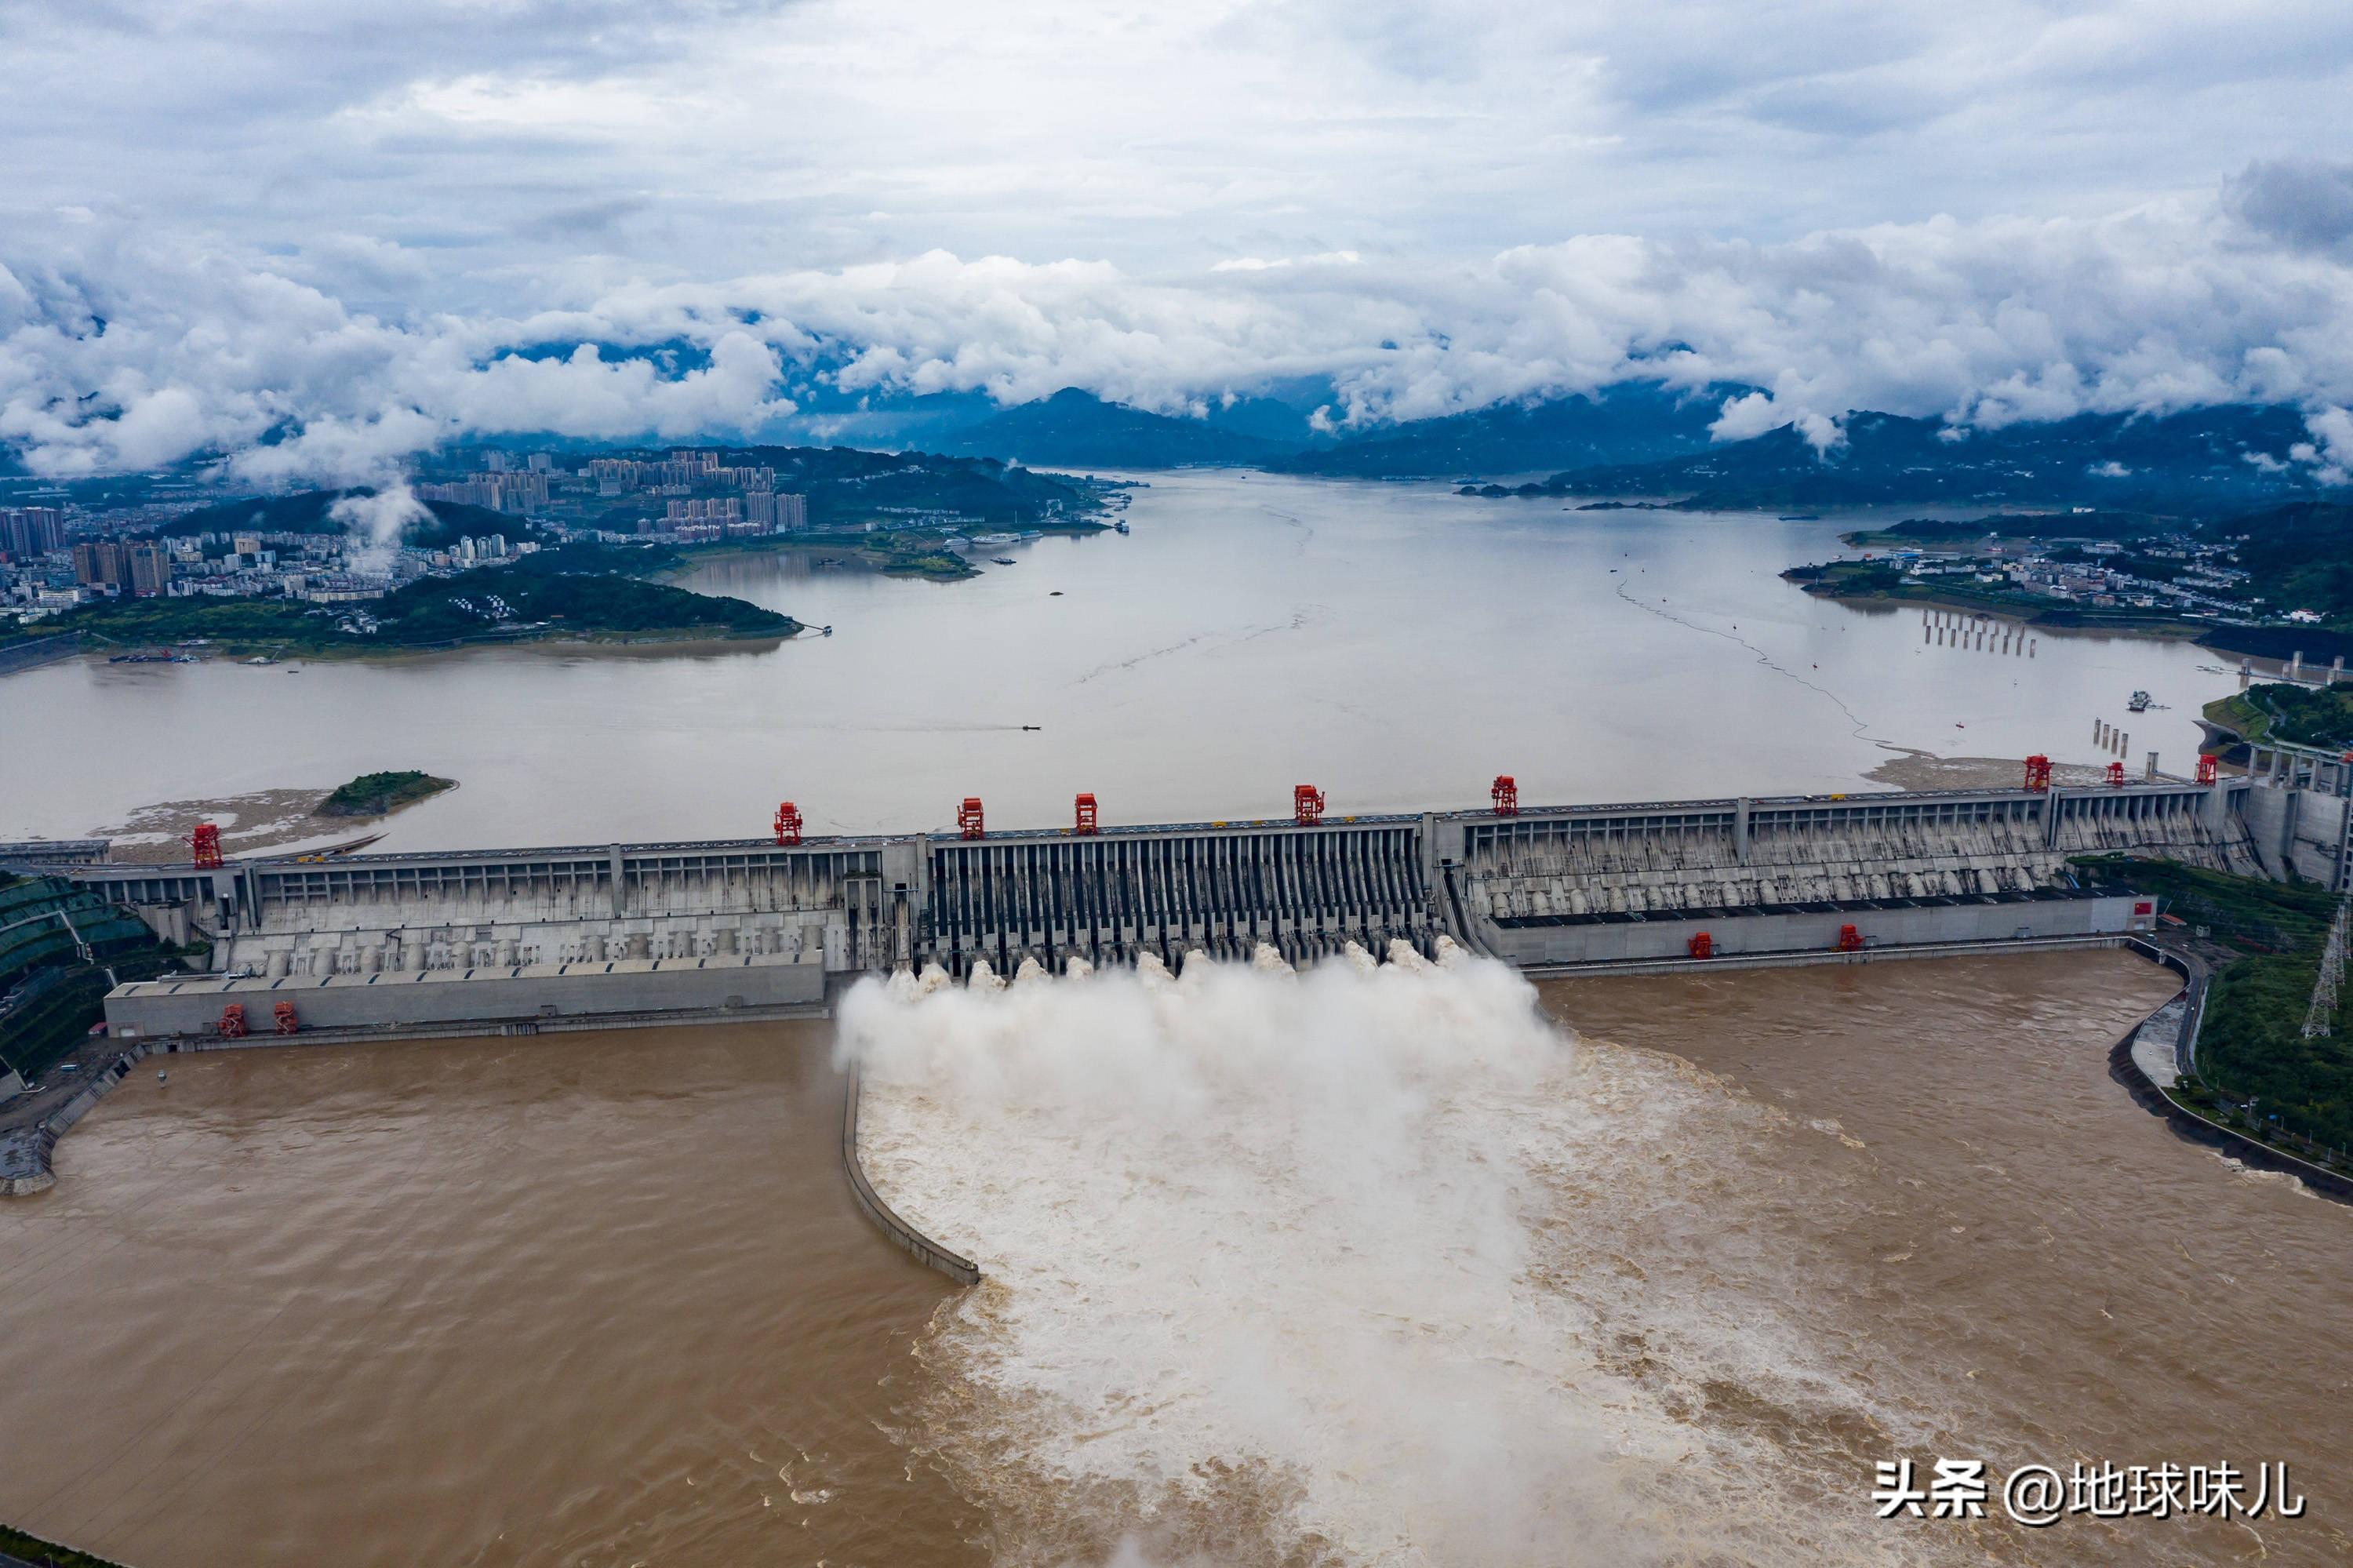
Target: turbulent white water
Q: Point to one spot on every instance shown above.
(1372, 1264)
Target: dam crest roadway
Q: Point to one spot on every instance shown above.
(525, 940)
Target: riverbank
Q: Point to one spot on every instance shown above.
(580, 592)
(32, 653)
(2151, 1069)
(2279, 713)
(2252, 950)
(1868, 583)
(920, 553)
(31, 1125)
(19, 1550)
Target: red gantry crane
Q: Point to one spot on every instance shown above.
(788, 825)
(968, 817)
(1306, 805)
(1084, 808)
(1505, 793)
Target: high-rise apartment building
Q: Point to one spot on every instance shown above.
(31, 531)
(150, 569)
(786, 513)
(98, 564)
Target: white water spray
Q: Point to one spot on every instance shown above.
(1284, 1267)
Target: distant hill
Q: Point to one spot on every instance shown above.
(305, 511)
(1078, 429)
(847, 484)
(2300, 557)
(1638, 423)
(2196, 460)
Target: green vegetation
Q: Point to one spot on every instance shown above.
(2252, 1045)
(489, 604)
(2010, 527)
(2296, 557)
(48, 1553)
(443, 610)
(2318, 716)
(2299, 556)
(847, 487)
(380, 794)
(938, 565)
(1883, 582)
(236, 623)
(307, 511)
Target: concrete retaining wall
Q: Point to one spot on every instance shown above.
(1735, 935)
(27, 1164)
(39, 652)
(2188, 1124)
(924, 1250)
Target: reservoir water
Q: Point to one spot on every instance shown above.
(1348, 1268)
(1397, 644)
(1368, 1267)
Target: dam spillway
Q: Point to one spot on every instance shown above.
(538, 938)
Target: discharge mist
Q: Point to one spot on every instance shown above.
(1343, 1265)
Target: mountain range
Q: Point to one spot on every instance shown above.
(1647, 440)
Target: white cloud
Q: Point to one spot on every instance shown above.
(121, 350)
(2331, 451)
(321, 234)
(374, 522)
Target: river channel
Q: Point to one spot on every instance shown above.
(1659, 1290)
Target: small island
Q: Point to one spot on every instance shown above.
(380, 794)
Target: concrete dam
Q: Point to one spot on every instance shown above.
(526, 940)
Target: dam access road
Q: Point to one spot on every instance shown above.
(529, 940)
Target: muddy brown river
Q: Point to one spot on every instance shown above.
(604, 1300)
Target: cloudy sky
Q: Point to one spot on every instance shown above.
(369, 227)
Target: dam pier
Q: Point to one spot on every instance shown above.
(525, 940)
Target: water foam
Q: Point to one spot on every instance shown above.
(1331, 1266)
